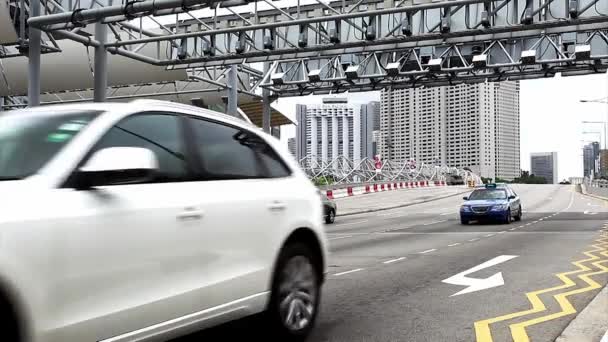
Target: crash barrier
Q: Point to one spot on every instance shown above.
(379, 187)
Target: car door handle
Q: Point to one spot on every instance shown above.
(277, 206)
(190, 214)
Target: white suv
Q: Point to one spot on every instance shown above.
(150, 220)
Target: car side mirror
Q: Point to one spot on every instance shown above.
(512, 197)
(465, 198)
(117, 165)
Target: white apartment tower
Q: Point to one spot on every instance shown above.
(334, 128)
(467, 125)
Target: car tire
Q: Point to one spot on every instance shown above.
(464, 221)
(519, 215)
(295, 294)
(330, 217)
(509, 218)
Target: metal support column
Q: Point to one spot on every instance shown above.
(34, 50)
(232, 92)
(101, 63)
(266, 113)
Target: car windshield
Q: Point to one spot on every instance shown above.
(486, 194)
(29, 140)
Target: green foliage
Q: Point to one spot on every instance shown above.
(500, 180)
(527, 178)
(320, 181)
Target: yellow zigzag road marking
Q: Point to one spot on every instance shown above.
(482, 328)
(518, 331)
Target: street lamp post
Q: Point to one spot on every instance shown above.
(605, 127)
(603, 101)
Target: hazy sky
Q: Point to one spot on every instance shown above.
(551, 116)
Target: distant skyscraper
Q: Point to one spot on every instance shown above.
(544, 164)
(591, 153)
(334, 128)
(291, 146)
(466, 125)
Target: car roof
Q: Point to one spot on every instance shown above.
(140, 105)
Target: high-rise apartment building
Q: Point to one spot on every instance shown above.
(291, 146)
(591, 155)
(467, 125)
(335, 128)
(544, 164)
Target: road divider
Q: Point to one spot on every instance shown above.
(379, 187)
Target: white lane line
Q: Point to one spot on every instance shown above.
(473, 240)
(428, 251)
(356, 222)
(489, 235)
(347, 272)
(528, 224)
(454, 244)
(393, 260)
(448, 213)
(340, 237)
(540, 219)
(502, 232)
(430, 223)
(521, 226)
(513, 228)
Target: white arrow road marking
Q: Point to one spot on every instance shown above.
(476, 284)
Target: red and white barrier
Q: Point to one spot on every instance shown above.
(379, 187)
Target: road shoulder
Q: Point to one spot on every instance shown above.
(591, 324)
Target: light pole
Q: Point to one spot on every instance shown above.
(604, 101)
(605, 127)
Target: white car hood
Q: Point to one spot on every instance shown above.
(19, 198)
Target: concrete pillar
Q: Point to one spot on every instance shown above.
(335, 140)
(313, 137)
(33, 88)
(101, 64)
(266, 110)
(233, 92)
(345, 137)
(356, 136)
(324, 138)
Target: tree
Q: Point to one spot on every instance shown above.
(527, 178)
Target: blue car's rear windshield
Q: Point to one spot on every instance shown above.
(488, 194)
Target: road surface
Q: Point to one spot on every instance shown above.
(416, 274)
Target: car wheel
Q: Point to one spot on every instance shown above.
(295, 296)
(519, 215)
(509, 218)
(331, 216)
(464, 221)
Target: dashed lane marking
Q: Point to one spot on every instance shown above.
(340, 237)
(473, 240)
(428, 251)
(434, 222)
(502, 232)
(489, 235)
(515, 228)
(454, 244)
(393, 260)
(348, 223)
(348, 272)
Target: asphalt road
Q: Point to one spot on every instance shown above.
(392, 273)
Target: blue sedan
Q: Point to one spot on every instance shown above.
(492, 202)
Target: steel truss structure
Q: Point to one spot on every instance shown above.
(342, 170)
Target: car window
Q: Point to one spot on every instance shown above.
(28, 141)
(232, 153)
(486, 194)
(159, 133)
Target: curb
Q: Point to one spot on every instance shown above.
(408, 204)
(591, 323)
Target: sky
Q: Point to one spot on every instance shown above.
(551, 117)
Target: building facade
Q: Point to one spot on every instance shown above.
(544, 164)
(335, 128)
(467, 125)
(591, 155)
(603, 163)
(291, 146)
